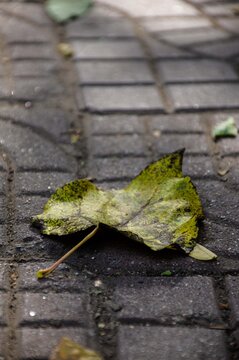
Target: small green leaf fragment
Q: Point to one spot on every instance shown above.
(225, 129)
(199, 252)
(166, 273)
(63, 10)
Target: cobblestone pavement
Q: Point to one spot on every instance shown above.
(148, 77)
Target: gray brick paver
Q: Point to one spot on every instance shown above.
(232, 285)
(99, 26)
(54, 308)
(31, 150)
(122, 145)
(196, 70)
(107, 49)
(32, 340)
(204, 96)
(117, 72)
(146, 343)
(167, 299)
(124, 98)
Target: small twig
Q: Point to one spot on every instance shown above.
(45, 272)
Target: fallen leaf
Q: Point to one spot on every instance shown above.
(70, 350)
(65, 49)
(225, 128)
(63, 10)
(160, 208)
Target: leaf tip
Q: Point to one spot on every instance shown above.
(199, 252)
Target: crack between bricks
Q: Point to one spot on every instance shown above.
(105, 322)
(67, 76)
(225, 312)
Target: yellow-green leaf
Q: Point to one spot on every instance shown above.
(160, 207)
(70, 350)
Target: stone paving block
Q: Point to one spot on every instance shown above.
(118, 145)
(25, 31)
(194, 144)
(28, 12)
(30, 244)
(34, 68)
(195, 36)
(66, 278)
(219, 9)
(175, 8)
(100, 26)
(54, 121)
(167, 300)
(230, 24)
(124, 98)
(117, 72)
(220, 203)
(229, 146)
(32, 51)
(204, 96)
(30, 150)
(146, 343)
(160, 24)
(232, 286)
(32, 340)
(31, 89)
(232, 163)
(28, 206)
(176, 123)
(40, 183)
(161, 50)
(116, 168)
(116, 124)
(54, 308)
(221, 239)
(107, 49)
(221, 49)
(198, 166)
(196, 70)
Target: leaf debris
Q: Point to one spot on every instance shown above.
(225, 128)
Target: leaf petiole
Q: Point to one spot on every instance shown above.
(45, 272)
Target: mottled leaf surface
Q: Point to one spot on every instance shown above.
(69, 350)
(160, 207)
